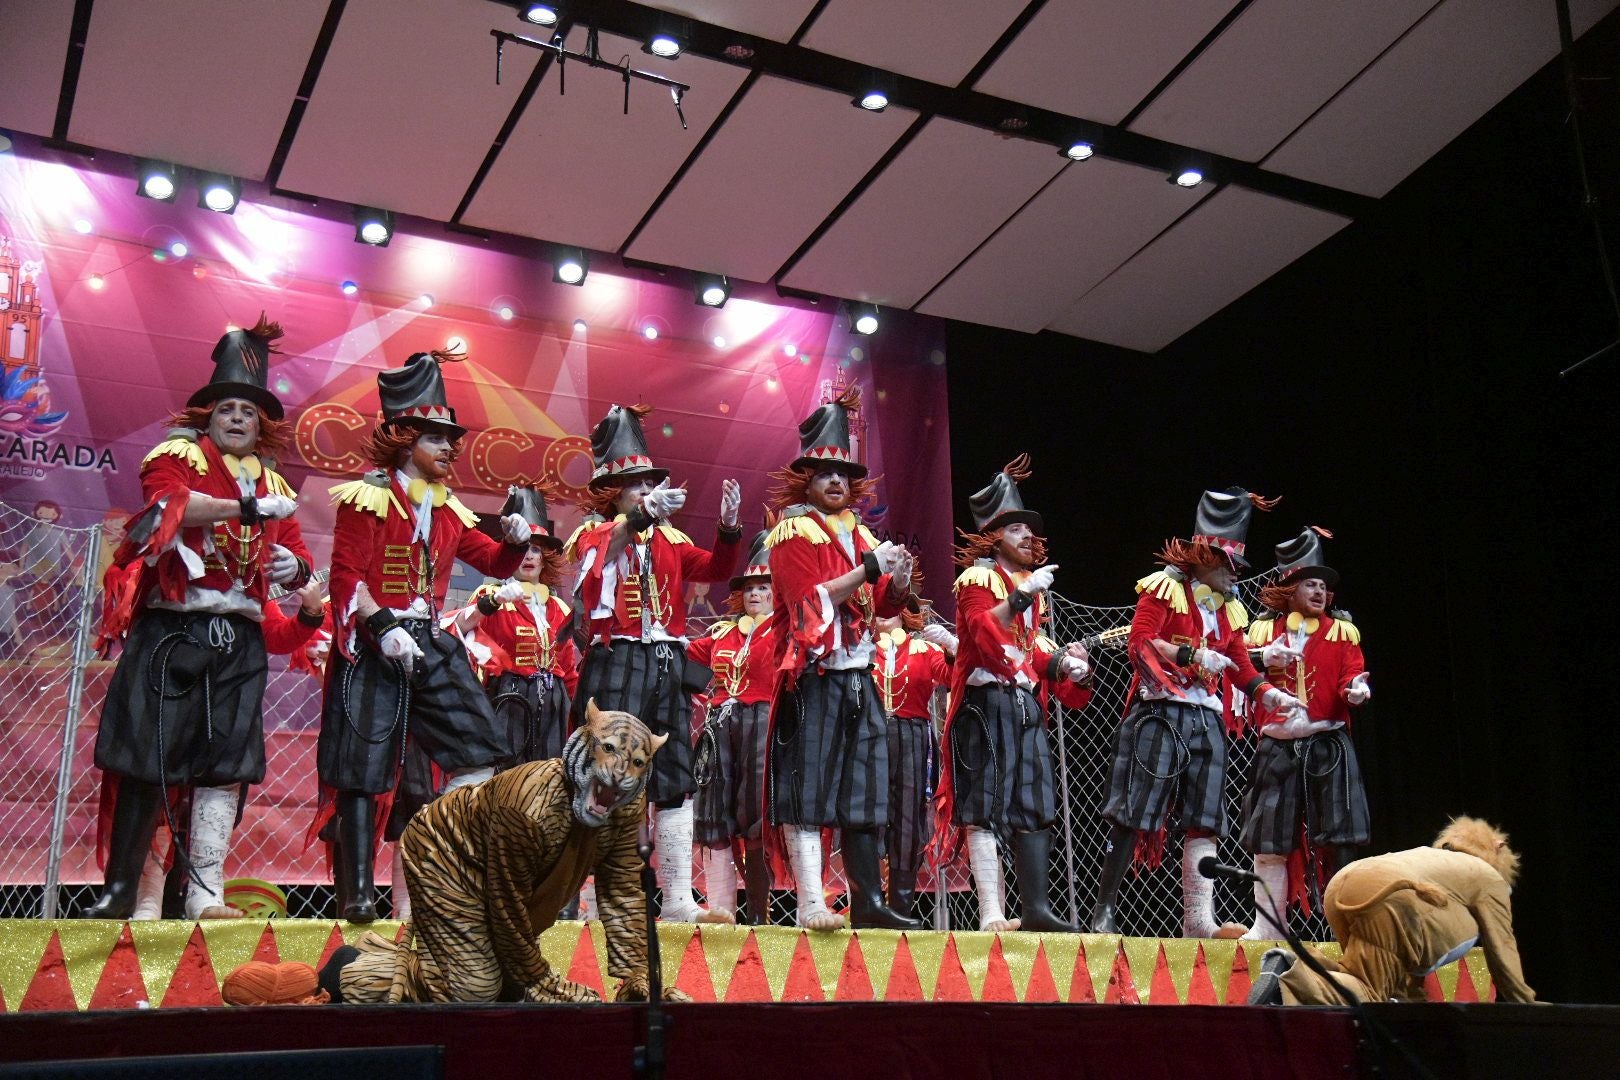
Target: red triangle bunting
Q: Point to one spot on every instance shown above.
(1201, 989)
(748, 982)
(49, 990)
(194, 982)
(854, 982)
(952, 984)
(1237, 986)
(803, 981)
(334, 942)
(267, 950)
(583, 968)
(1080, 988)
(1162, 990)
(1432, 989)
(120, 985)
(998, 984)
(1121, 987)
(1041, 985)
(1465, 985)
(903, 982)
(693, 976)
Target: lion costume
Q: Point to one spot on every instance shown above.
(489, 866)
(1398, 917)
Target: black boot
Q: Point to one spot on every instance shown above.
(1121, 850)
(757, 880)
(355, 849)
(1033, 857)
(866, 906)
(902, 889)
(135, 817)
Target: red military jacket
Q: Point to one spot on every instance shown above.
(744, 663)
(675, 561)
(804, 553)
(228, 552)
(285, 633)
(372, 541)
(1166, 611)
(1332, 658)
(522, 643)
(906, 671)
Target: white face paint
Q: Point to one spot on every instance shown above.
(234, 426)
(758, 599)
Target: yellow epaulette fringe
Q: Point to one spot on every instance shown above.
(181, 448)
(1344, 630)
(1171, 589)
(984, 578)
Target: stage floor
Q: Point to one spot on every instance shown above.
(88, 964)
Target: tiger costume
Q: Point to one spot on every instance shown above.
(488, 866)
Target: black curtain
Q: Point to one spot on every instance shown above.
(1400, 386)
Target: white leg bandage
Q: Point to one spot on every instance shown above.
(984, 860)
(1272, 871)
(673, 829)
(213, 815)
(720, 877)
(400, 891)
(1198, 894)
(804, 854)
(149, 894)
(462, 777)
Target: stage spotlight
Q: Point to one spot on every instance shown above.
(663, 45)
(873, 101)
(505, 312)
(863, 319)
(540, 14)
(83, 226)
(349, 288)
(219, 193)
(1078, 151)
(650, 332)
(157, 180)
(711, 290)
(579, 326)
(569, 266)
(1188, 178)
(179, 249)
(372, 226)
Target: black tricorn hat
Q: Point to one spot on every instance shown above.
(1302, 558)
(1000, 504)
(530, 504)
(824, 436)
(242, 369)
(619, 449)
(414, 394)
(1223, 521)
(758, 565)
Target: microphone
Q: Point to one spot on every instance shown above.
(1208, 867)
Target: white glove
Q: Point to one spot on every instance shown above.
(1212, 661)
(283, 564)
(1358, 691)
(398, 644)
(730, 502)
(515, 529)
(663, 500)
(509, 593)
(1275, 701)
(940, 636)
(888, 556)
(1279, 654)
(318, 650)
(900, 575)
(1039, 580)
(1073, 668)
(276, 507)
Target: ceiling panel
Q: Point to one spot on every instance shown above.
(782, 161)
(406, 106)
(776, 20)
(1099, 58)
(576, 170)
(936, 40)
(1446, 73)
(1270, 70)
(208, 85)
(36, 48)
(932, 205)
(1087, 222)
(1214, 255)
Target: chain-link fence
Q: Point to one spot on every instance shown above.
(50, 789)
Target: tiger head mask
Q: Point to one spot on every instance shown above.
(606, 761)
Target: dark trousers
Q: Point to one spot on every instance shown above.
(644, 680)
(1169, 756)
(730, 775)
(1317, 777)
(830, 754)
(911, 784)
(1002, 772)
(531, 711)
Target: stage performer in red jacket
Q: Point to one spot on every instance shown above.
(397, 535)
(1191, 662)
(1307, 779)
(189, 585)
(829, 764)
(730, 767)
(634, 567)
(912, 661)
(999, 779)
(519, 634)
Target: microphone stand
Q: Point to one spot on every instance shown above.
(648, 1063)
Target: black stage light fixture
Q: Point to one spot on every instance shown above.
(1189, 177)
(157, 180)
(711, 290)
(863, 319)
(219, 193)
(1079, 150)
(663, 45)
(541, 14)
(372, 226)
(569, 265)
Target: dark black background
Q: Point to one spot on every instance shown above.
(1399, 385)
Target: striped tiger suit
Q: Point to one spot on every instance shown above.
(488, 867)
